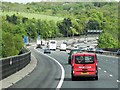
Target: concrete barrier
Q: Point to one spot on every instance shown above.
(13, 64)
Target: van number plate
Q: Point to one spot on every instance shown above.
(84, 73)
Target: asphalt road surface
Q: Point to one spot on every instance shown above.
(44, 76)
(48, 73)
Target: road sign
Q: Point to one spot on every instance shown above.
(38, 37)
(26, 41)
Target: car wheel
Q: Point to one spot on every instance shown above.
(69, 62)
(96, 78)
(73, 77)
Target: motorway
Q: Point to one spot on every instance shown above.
(48, 73)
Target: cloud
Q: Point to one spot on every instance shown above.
(22, 1)
(26, 1)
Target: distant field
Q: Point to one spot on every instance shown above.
(32, 15)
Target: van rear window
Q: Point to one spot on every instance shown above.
(52, 42)
(84, 59)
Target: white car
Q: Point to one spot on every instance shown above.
(63, 47)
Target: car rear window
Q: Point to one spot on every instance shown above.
(84, 59)
(74, 52)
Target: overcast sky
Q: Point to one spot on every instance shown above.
(26, 1)
(22, 1)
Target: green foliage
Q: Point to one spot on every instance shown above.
(18, 42)
(0, 41)
(10, 45)
(107, 41)
(65, 26)
(92, 25)
(33, 15)
(58, 19)
(16, 27)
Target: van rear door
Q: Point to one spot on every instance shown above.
(85, 65)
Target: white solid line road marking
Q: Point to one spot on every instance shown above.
(110, 75)
(105, 71)
(63, 71)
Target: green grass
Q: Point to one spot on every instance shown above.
(32, 15)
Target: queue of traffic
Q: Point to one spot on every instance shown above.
(83, 64)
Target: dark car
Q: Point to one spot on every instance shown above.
(38, 46)
(72, 51)
(99, 50)
(47, 50)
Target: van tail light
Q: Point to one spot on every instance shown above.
(73, 71)
(72, 64)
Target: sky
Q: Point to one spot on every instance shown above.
(21, 1)
(26, 1)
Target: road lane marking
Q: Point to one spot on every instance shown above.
(99, 68)
(108, 56)
(111, 75)
(105, 71)
(118, 81)
(63, 71)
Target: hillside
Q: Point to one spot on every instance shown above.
(58, 19)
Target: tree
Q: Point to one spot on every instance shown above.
(8, 47)
(65, 26)
(18, 42)
(92, 25)
(107, 41)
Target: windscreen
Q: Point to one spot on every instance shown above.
(84, 59)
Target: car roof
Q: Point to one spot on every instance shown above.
(85, 54)
(75, 50)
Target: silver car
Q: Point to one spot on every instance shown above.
(47, 50)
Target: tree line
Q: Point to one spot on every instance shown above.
(78, 18)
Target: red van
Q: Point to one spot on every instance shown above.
(84, 65)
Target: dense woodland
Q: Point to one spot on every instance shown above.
(78, 17)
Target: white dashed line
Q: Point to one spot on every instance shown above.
(99, 68)
(111, 75)
(105, 71)
(118, 81)
(106, 60)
